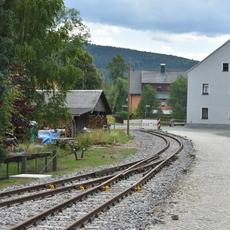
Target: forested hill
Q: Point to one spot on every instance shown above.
(140, 60)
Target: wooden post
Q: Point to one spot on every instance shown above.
(75, 153)
(24, 164)
(18, 167)
(54, 160)
(36, 165)
(46, 164)
(129, 72)
(82, 153)
(7, 170)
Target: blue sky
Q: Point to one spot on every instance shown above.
(188, 28)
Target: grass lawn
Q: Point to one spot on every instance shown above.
(8, 182)
(108, 153)
(92, 158)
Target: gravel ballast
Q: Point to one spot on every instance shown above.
(141, 209)
(146, 207)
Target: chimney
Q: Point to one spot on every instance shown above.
(162, 68)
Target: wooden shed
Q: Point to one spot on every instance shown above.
(88, 108)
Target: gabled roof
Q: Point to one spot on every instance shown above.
(84, 101)
(83, 98)
(151, 77)
(208, 56)
(156, 77)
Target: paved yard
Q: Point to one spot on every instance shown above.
(202, 199)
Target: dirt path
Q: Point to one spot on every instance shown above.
(202, 199)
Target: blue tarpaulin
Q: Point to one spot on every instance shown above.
(47, 136)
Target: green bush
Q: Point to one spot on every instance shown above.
(124, 115)
(165, 119)
(102, 137)
(2, 154)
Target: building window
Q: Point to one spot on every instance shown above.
(205, 89)
(159, 88)
(225, 67)
(204, 113)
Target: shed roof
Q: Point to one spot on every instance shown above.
(84, 101)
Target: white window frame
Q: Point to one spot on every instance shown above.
(202, 89)
(202, 117)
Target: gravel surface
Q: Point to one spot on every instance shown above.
(137, 211)
(146, 207)
(16, 213)
(79, 209)
(202, 199)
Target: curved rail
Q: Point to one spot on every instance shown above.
(80, 222)
(95, 174)
(79, 185)
(139, 166)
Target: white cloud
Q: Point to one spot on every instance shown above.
(189, 45)
(191, 28)
(208, 17)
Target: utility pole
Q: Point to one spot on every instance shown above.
(129, 72)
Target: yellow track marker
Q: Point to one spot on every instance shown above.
(138, 188)
(51, 186)
(106, 188)
(82, 187)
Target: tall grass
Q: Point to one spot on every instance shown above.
(101, 137)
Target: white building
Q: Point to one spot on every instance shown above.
(208, 102)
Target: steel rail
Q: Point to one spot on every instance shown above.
(94, 174)
(54, 191)
(83, 185)
(88, 217)
(98, 173)
(93, 190)
(79, 197)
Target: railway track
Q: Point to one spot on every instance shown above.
(72, 183)
(109, 190)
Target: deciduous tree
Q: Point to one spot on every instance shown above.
(90, 77)
(42, 47)
(49, 39)
(149, 102)
(7, 52)
(118, 94)
(117, 68)
(178, 97)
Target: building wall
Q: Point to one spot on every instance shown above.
(217, 101)
(135, 99)
(100, 106)
(79, 123)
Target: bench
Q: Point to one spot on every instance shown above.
(177, 122)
